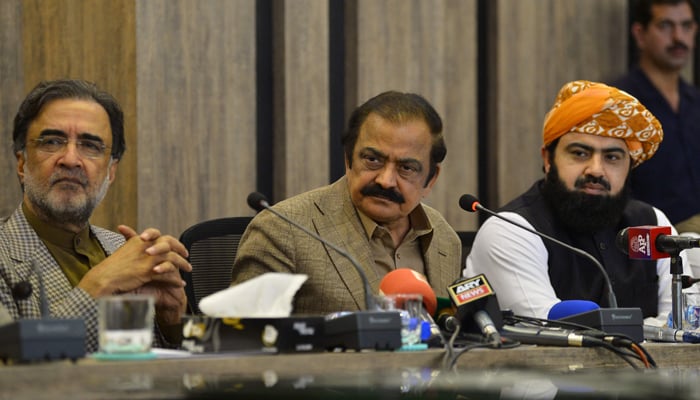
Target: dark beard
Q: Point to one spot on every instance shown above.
(582, 212)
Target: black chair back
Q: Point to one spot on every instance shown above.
(212, 246)
(467, 238)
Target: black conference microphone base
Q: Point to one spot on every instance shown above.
(624, 321)
(30, 340)
(378, 330)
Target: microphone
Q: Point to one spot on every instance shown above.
(46, 338)
(687, 281)
(549, 337)
(662, 334)
(652, 242)
(566, 308)
(471, 204)
(408, 281)
(477, 307)
(372, 328)
(627, 321)
(649, 242)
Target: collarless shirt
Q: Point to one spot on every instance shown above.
(670, 180)
(76, 253)
(409, 253)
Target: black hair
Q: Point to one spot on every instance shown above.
(47, 91)
(642, 13)
(398, 107)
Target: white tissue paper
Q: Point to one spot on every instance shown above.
(266, 296)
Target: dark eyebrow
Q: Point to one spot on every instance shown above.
(411, 161)
(52, 132)
(607, 150)
(58, 132)
(374, 152)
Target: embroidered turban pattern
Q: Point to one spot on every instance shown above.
(598, 109)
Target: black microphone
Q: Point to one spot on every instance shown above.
(550, 336)
(46, 338)
(664, 334)
(477, 307)
(21, 290)
(627, 321)
(688, 281)
(372, 328)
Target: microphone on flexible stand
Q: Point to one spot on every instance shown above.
(45, 338)
(372, 328)
(627, 321)
(652, 243)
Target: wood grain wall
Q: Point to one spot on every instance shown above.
(187, 75)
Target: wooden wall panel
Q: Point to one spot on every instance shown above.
(542, 44)
(11, 93)
(301, 96)
(196, 102)
(427, 47)
(185, 73)
(92, 40)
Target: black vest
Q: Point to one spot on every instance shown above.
(574, 277)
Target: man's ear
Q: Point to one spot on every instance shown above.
(113, 170)
(638, 31)
(546, 165)
(21, 161)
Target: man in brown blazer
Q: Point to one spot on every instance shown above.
(393, 150)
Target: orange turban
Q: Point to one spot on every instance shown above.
(598, 109)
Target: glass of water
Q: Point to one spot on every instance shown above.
(126, 323)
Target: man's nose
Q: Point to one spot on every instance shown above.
(595, 165)
(387, 176)
(70, 155)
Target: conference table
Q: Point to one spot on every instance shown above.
(525, 372)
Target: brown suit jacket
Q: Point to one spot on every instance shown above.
(272, 245)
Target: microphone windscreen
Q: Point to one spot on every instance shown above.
(622, 240)
(468, 202)
(408, 281)
(567, 308)
(256, 200)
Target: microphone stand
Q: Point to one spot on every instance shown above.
(676, 289)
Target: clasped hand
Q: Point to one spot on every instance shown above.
(147, 263)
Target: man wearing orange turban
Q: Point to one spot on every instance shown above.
(592, 137)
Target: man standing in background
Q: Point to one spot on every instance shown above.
(664, 32)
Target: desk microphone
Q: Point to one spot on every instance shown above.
(550, 336)
(408, 281)
(364, 323)
(627, 321)
(45, 338)
(652, 242)
(663, 334)
(649, 242)
(477, 307)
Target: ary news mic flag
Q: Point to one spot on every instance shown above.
(471, 295)
(641, 243)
